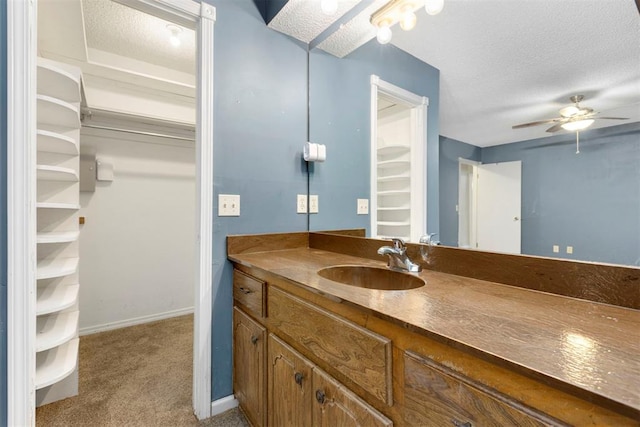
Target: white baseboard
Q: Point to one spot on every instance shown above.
(135, 321)
(222, 405)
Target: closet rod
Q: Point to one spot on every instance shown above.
(137, 132)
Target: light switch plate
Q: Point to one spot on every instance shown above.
(569, 249)
(313, 203)
(556, 249)
(363, 207)
(228, 205)
(301, 205)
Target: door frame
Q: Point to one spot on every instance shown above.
(473, 196)
(419, 105)
(21, 199)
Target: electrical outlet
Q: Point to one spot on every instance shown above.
(302, 203)
(313, 203)
(569, 249)
(363, 206)
(228, 205)
(556, 249)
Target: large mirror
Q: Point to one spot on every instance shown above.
(483, 67)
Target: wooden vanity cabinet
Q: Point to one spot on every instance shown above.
(301, 394)
(436, 395)
(249, 373)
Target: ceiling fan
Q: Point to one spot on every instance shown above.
(572, 118)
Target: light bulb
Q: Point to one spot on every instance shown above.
(433, 7)
(329, 7)
(384, 34)
(408, 20)
(577, 125)
(174, 38)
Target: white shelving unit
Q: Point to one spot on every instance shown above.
(57, 171)
(393, 183)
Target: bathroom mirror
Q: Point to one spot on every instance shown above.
(582, 206)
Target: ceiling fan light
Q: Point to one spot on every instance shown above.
(433, 7)
(569, 111)
(577, 125)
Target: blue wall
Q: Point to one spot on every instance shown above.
(590, 201)
(450, 151)
(3, 213)
(260, 122)
(340, 99)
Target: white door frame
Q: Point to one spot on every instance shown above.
(21, 199)
(418, 150)
(471, 213)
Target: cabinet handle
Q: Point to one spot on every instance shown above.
(254, 339)
(459, 424)
(298, 377)
(320, 396)
(245, 291)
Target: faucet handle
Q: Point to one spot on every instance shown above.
(398, 243)
(429, 239)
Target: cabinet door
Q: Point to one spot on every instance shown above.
(290, 388)
(438, 396)
(249, 352)
(334, 405)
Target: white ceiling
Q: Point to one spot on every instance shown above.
(506, 62)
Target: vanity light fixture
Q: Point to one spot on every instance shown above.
(433, 7)
(402, 12)
(175, 31)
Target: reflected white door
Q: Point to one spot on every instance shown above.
(499, 204)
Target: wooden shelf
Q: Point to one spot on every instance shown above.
(56, 82)
(57, 237)
(48, 205)
(55, 329)
(56, 173)
(53, 142)
(51, 268)
(56, 298)
(56, 112)
(56, 364)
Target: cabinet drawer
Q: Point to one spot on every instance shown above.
(361, 355)
(249, 292)
(438, 396)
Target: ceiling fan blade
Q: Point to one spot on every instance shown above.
(612, 118)
(555, 128)
(541, 122)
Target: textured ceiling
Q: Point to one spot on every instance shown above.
(507, 62)
(303, 20)
(124, 31)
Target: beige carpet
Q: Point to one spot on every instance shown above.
(136, 376)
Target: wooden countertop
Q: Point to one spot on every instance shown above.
(591, 347)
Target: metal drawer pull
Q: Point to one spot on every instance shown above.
(320, 396)
(459, 424)
(254, 339)
(298, 377)
(246, 291)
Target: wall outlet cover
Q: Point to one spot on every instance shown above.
(228, 205)
(313, 203)
(301, 205)
(556, 249)
(363, 207)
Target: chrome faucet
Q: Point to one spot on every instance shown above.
(398, 259)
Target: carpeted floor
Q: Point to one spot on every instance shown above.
(136, 376)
